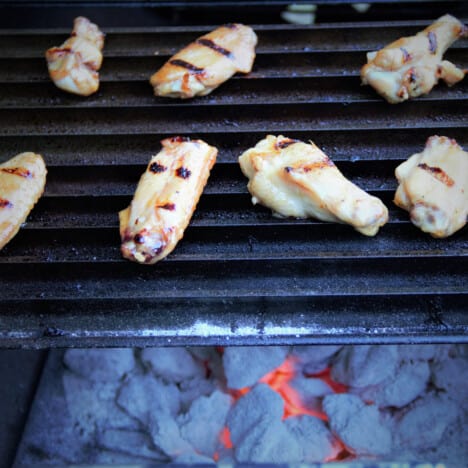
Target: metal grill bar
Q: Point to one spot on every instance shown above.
(239, 276)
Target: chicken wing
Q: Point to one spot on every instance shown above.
(22, 182)
(412, 66)
(433, 187)
(206, 63)
(297, 179)
(165, 199)
(74, 65)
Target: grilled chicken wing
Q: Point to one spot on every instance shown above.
(206, 63)
(22, 182)
(412, 66)
(74, 65)
(297, 179)
(165, 199)
(434, 187)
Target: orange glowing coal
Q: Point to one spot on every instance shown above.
(280, 381)
(225, 437)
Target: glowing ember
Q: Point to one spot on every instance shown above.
(279, 380)
(225, 438)
(325, 376)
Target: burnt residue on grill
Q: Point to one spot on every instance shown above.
(300, 281)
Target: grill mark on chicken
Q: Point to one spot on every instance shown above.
(310, 167)
(60, 50)
(188, 66)
(387, 69)
(139, 238)
(183, 172)
(302, 182)
(406, 55)
(438, 173)
(284, 143)
(74, 65)
(168, 206)
(180, 139)
(157, 168)
(213, 46)
(5, 203)
(19, 171)
(231, 25)
(432, 42)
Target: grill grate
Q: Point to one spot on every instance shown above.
(239, 276)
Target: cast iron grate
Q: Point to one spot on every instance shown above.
(239, 276)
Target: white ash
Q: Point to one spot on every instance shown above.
(311, 391)
(260, 405)
(172, 364)
(132, 443)
(102, 365)
(425, 422)
(50, 436)
(314, 359)
(210, 414)
(310, 388)
(268, 443)
(257, 431)
(92, 406)
(451, 375)
(116, 458)
(402, 403)
(211, 359)
(192, 458)
(364, 365)
(358, 425)
(142, 395)
(424, 352)
(165, 433)
(190, 390)
(409, 381)
(314, 437)
(244, 366)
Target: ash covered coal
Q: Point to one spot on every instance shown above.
(309, 404)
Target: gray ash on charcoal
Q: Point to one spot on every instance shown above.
(308, 404)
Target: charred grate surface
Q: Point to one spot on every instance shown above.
(239, 276)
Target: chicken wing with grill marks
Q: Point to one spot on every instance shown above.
(297, 179)
(433, 187)
(22, 182)
(165, 199)
(206, 63)
(412, 66)
(74, 65)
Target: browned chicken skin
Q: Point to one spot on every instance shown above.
(297, 179)
(207, 62)
(433, 187)
(22, 182)
(412, 66)
(165, 199)
(74, 66)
